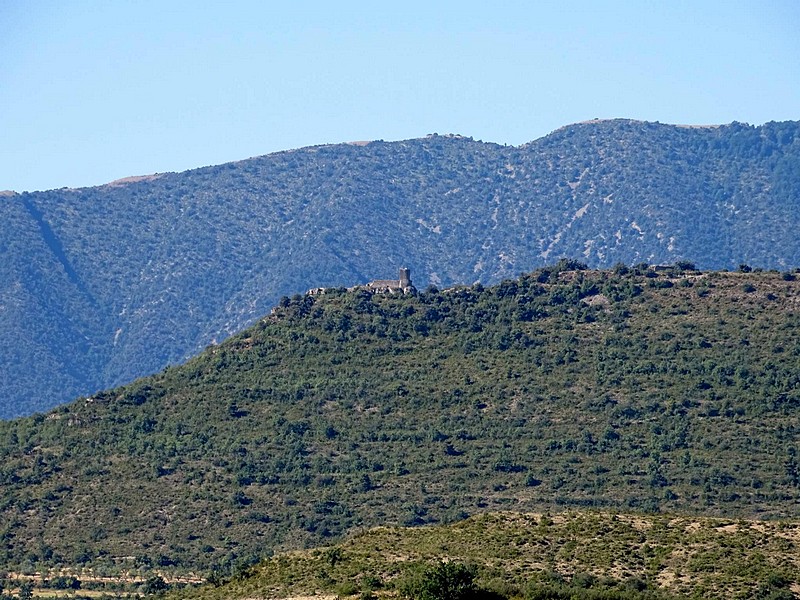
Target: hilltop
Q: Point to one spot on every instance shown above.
(584, 555)
(102, 285)
(634, 389)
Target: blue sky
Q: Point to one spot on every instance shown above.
(95, 91)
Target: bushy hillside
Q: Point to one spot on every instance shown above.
(670, 390)
(569, 556)
(100, 285)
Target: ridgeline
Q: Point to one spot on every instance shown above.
(102, 285)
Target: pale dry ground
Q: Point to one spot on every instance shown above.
(324, 597)
(87, 576)
(320, 597)
(132, 179)
(71, 594)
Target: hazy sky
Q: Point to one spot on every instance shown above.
(92, 91)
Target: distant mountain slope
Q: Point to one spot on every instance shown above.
(649, 391)
(100, 285)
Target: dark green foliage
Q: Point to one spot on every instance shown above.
(444, 581)
(571, 592)
(775, 586)
(25, 590)
(154, 585)
(101, 285)
(562, 388)
(65, 583)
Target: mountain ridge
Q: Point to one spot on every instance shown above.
(176, 262)
(149, 176)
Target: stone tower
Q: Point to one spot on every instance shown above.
(405, 278)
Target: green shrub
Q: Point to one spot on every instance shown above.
(445, 581)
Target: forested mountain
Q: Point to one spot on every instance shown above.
(627, 390)
(100, 285)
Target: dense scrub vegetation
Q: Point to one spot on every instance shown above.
(583, 555)
(101, 285)
(633, 389)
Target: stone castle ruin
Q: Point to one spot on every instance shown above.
(402, 285)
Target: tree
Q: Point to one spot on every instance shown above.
(445, 581)
(365, 484)
(154, 585)
(26, 590)
(65, 583)
(684, 265)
